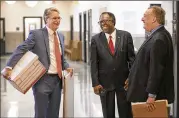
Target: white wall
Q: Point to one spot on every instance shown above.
(14, 14)
(167, 6)
(128, 14)
(81, 6)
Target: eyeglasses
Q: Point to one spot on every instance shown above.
(56, 18)
(104, 21)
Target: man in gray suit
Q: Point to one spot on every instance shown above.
(48, 44)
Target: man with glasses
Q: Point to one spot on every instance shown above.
(112, 54)
(48, 44)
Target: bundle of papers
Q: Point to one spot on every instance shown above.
(26, 72)
(140, 111)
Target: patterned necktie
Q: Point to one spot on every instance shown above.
(111, 45)
(57, 55)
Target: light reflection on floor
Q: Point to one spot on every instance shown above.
(86, 103)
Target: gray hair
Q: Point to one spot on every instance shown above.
(48, 11)
(159, 13)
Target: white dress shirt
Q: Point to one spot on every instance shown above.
(113, 37)
(53, 65)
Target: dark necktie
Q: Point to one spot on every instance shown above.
(57, 55)
(111, 45)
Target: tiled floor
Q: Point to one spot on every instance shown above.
(85, 103)
(82, 102)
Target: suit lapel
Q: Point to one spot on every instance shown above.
(145, 42)
(45, 34)
(105, 42)
(118, 40)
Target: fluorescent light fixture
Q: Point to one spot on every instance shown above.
(31, 3)
(48, 2)
(10, 2)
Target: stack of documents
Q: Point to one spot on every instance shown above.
(27, 72)
(68, 96)
(139, 110)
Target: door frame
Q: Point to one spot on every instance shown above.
(177, 42)
(71, 28)
(3, 19)
(3, 41)
(24, 31)
(89, 34)
(84, 36)
(175, 36)
(80, 26)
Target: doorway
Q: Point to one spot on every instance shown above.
(31, 23)
(80, 25)
(2, 37)
(84, 36)
(71, 27)
(89, 34)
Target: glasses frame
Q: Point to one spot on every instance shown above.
(56, 18)
(102, 21)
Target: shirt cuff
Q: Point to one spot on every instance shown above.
(9, 67)
(152, 95)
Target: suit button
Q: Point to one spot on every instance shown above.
(114, 69)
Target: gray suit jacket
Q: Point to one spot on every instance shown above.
(38, 43)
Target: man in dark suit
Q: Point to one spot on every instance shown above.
(48, 44)
(112, 54)
(151, 76)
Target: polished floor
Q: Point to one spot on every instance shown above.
(85, 103)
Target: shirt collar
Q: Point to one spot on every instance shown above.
(112, 34)
(155, 29)
(50, 31)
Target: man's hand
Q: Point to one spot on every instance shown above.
(126, 84)
(97, 89)
(70, 70)
(151, 104)
(6, 73)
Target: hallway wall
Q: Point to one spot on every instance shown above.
(14, 13)
(128, 15)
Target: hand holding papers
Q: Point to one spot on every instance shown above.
(26, 72)
(140, 111)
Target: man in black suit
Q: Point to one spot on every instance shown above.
(112, 54)
(151, 76)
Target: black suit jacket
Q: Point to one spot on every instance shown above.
(152, 71)
(108, 70)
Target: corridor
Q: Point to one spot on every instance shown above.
(86, 103)
(79, 22)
